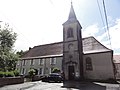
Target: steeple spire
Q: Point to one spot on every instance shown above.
(72, 13)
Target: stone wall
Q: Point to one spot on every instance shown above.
(11, 80)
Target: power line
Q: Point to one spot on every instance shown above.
(106, 22)
(101, 14)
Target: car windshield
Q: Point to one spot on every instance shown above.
(54, 75)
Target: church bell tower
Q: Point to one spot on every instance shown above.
(72, 48)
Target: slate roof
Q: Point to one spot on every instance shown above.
(90, 45)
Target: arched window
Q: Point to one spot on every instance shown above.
(89, 63)
(70, 33)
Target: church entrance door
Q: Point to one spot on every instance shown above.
(71, 72)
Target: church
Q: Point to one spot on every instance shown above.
(78, 58)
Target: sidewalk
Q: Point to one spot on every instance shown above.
(19, 86)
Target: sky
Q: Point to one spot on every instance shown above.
(39, 22)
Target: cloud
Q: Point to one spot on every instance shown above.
(114, 36)
(91, 30)
(114, 32)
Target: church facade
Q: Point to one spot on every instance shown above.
(76, 57)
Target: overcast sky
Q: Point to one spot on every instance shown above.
(40, 22)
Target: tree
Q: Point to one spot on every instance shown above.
(7, 38)
(21, 53)
(8, 57)
(31, 72)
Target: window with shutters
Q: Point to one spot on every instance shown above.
(41, 61)
(32, 62)
(52, 61)
(24, 62)
(40, 71)
(51, 69)
(23, 71)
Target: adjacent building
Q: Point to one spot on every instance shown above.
(116, 60)
(76, 57)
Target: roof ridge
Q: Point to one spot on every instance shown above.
(58, 42)
(87, 37)
(48, 44)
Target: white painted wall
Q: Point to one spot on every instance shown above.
(102, 66)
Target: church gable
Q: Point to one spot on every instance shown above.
(91, 45)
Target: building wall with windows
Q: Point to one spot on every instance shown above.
(98, 66)
(97, 59)
(78, 57)
(94, 68)
(44, 65)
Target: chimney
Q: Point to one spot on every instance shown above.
(30, 48)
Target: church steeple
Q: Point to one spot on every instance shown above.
(72, 47)
(72, 16)
(72, 13)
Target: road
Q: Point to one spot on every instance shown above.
(62, 86)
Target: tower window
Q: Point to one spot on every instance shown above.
(89, 64)
(70, 33)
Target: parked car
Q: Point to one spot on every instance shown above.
(53, 77)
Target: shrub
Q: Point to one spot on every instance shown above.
(31, 72)
(16, 72)
(55, 70)
(1, 74)
(9, 74)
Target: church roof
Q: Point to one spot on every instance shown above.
(90, 45)
(72, 16)
(72, 13)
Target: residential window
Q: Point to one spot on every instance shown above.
(69, 33)
(24, 62)
(51, 69)
(41, 61)
(32, 62)
(23, 71)
(89, 63)
(52, 61)
(40, 71)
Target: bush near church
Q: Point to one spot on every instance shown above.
(10, 77)
(56, 70)
(1, 74)
(31, 72)
(9, 73)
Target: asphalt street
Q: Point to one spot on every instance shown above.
(62, 86)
